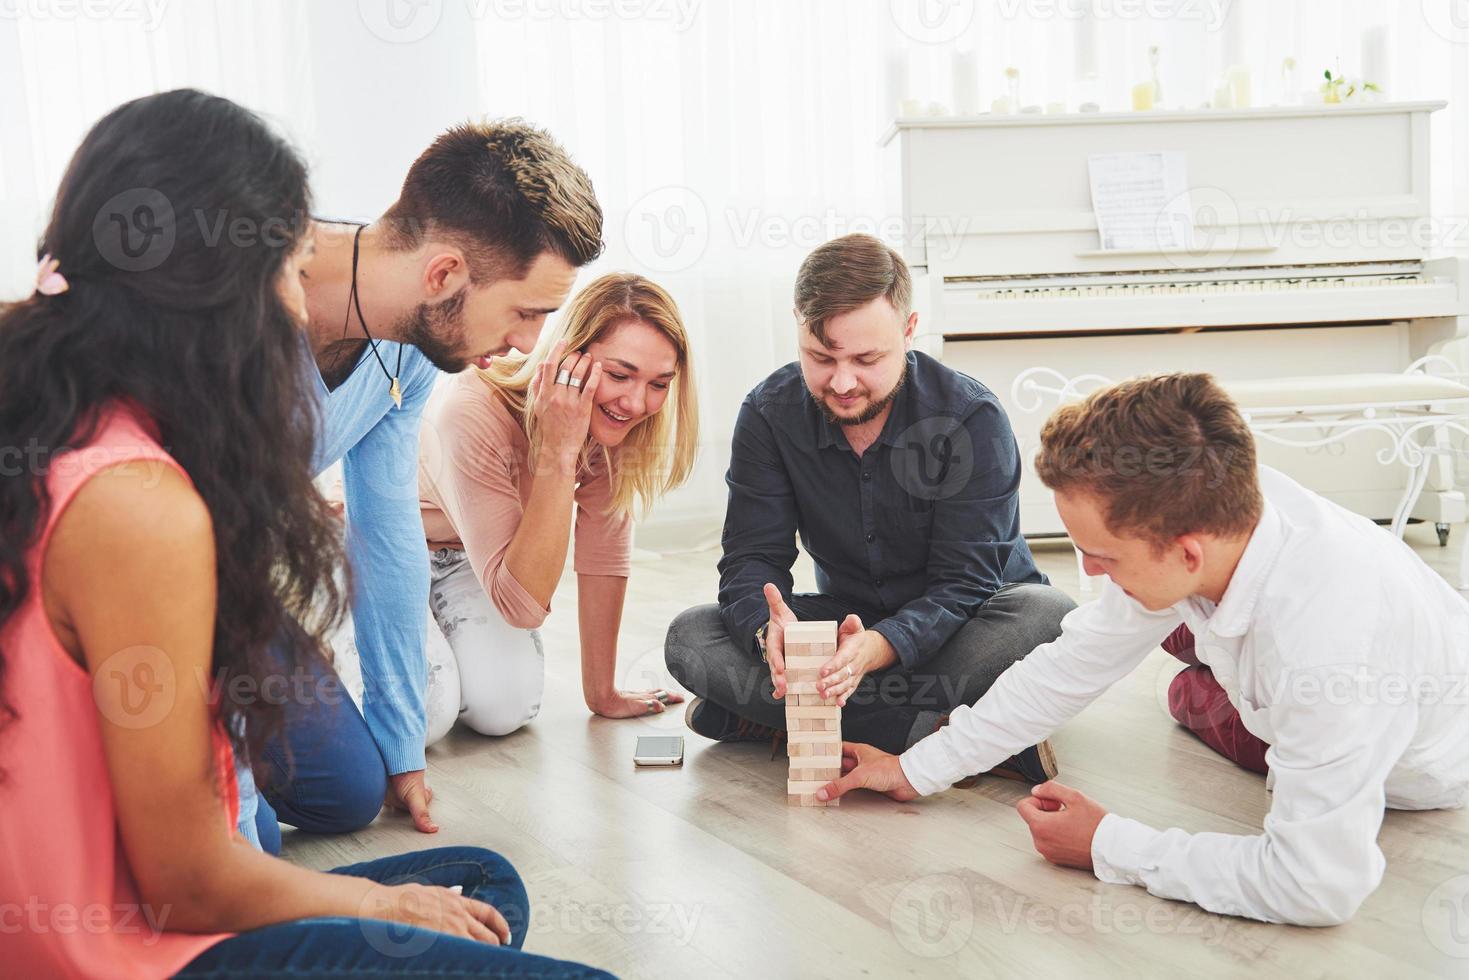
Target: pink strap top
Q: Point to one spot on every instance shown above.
(69, 906)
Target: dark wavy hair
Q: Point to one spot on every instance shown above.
(172, 225)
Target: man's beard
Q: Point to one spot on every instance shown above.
(869, 413)
(438, 331)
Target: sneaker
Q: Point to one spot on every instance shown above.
(710, 720)
(1034, 765)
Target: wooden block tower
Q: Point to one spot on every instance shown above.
(813, 726)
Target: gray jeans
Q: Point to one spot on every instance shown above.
(893, 708)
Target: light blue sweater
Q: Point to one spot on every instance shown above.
(378, 446)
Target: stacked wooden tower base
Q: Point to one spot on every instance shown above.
(813, 726)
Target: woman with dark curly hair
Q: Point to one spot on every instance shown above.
(165, 565)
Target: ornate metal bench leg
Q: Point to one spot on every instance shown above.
(1417, 477)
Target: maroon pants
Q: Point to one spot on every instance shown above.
(1198, 703)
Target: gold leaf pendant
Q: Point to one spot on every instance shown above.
(396, 392)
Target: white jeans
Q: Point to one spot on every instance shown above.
(480, 668)
(441, 696)
(501, 669)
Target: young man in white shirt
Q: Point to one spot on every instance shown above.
(1336, 644)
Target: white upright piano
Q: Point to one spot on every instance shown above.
(1310, 258)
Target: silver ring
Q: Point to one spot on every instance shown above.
(849, 671)
(563, 377)
(575, 382)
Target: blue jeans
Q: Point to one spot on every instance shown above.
(337, 947)
(322, 774)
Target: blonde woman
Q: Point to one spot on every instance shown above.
(600, 419)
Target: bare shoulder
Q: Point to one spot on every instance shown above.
(141, 505)
(135, 535)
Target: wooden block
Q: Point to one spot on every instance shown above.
(813, 701)
(804, 652)
(801, 687)
(827, 710)
(801, 788)
(802, 677)
(803, 750)
(809, 799)
(806, 663)
(832, 737)
(826, 759)
(823, 776)
(818, 631)
(828, 726)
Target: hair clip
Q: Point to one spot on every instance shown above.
(49, 282)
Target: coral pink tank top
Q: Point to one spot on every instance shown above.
(68, 904)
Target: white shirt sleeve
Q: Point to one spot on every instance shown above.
(1318, 858)
(1100, 643)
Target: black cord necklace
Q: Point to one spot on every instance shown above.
(394, 390)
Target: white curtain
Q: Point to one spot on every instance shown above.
(726, 138)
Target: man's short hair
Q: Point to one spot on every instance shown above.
(845, 274)
(1165, 456)
(503, 192)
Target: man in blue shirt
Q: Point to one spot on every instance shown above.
(485, 240)
(899, 476)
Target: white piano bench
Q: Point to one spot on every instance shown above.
(1416, 410)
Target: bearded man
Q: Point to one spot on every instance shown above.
(484, 242)
(900, 477)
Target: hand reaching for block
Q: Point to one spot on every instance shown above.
(866, 767)
(780, 616)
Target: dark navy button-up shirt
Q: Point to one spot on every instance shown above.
(924, 526)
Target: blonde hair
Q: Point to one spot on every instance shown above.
(658, 454)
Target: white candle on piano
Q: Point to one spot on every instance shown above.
(1239, 86)
(966, 83)
(895, 82)
(1222, 95)
(1375, 56)
(1084, 61)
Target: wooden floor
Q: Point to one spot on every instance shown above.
(705, 872)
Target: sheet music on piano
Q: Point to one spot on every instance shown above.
(1141, 201)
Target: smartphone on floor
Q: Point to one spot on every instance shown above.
(659, 750)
